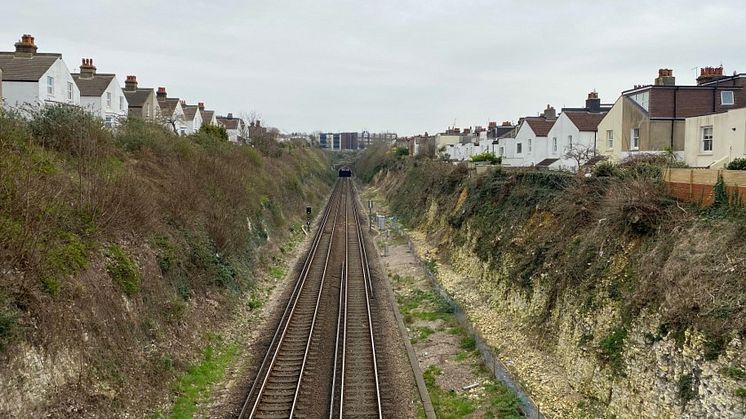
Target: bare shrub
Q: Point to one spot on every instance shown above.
(636, 206)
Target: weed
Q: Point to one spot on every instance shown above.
(714, 346)
(468, 343)
(741, 393)
(122, 269)
(733, 372)
(685, 386)
(276, 272)
(8, 327)
(421, 333)
(612, 347)
(255, 302)
(447, 404)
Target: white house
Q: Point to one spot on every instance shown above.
(715, 140)
(172, 112)
(100, 93)
(208, 116)
(192, 117)
(34, 78)
(235, 127)
(529, 140)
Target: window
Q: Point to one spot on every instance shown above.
(121, 103)
(726, 98)
(147, 110)
(529, 145)
(569, 141)
(554, 144)
(519, 148)
(108, 100)
(502, 151)
(610, 138)
(634, 141)
(707, 139)
(108, 121)
(69, 91)
(642, 99)
(50, 85)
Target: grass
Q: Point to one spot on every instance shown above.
(195, 384)
(612, 349)
(733, 372)
(447, 404)
(686, 390)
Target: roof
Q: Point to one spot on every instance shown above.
(137, 98)
(207, 115)
(168, 106)
(540, 126)
(585, 121)
(26, 68)
(190, 111)
(546, 162)
(95, 86)
(229, 123)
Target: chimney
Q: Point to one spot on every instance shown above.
(708, 74)
(492, 124)
(183, 102)
(25, 47)
(507, 124)
(201, 106)
(593, 103)
(161, 93)
(258, 123)
(130, 84)
(87, 69)
(549, 113)
(665, 77)
(230, 115)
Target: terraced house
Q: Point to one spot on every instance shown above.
(31, 78)
(172, 113)
(192, 117)
(101, 93)
(141, 102)
(652, 118)
(208, 116)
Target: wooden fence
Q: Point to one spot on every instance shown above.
(696, 185)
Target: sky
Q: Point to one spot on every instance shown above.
(404, 66)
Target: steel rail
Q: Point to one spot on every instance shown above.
(365, 265)
(316, 309)
(265, 368)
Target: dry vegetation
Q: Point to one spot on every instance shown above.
(111, 242)
(616, 238)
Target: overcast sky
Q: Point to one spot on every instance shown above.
(407, 66)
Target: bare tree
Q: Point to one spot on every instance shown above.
(582, 154)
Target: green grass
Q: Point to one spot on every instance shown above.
(733, 372)
(195, 384)
(447, 404)
(612, 347)
(122, 269)
(421, 333)
(276, 272)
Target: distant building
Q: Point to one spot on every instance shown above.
(101, 93)
(192, 117)
(235, 127)
(519, 148)
(35, 78)
(141, 102)
(340, 141)
(172, 112)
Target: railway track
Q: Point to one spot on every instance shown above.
(322, 360)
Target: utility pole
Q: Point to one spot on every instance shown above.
(370, 215)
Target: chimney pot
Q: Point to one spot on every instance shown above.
(161, 93)
(201, 106)
(130, 84)
(230, 115)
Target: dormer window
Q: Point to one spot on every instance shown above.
(726, 98)
(50, 85)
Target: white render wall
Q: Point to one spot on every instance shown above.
(97, 104)
(728, 139)
(562, 129)
(195, 124)
(19, 94)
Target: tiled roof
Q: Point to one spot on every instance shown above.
(207, 115)
(137, 98)
(95, 86)
(546, 162)
(540, 126)
(229, 123)
(26, 69)
(189, 111)
(585, 121)
(168, 106)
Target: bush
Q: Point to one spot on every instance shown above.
(487, 157)
(70, 129)
(401, 151)
(636, 206)
(737, 164)
(606, 169)
(215, 131)
(686, 388)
